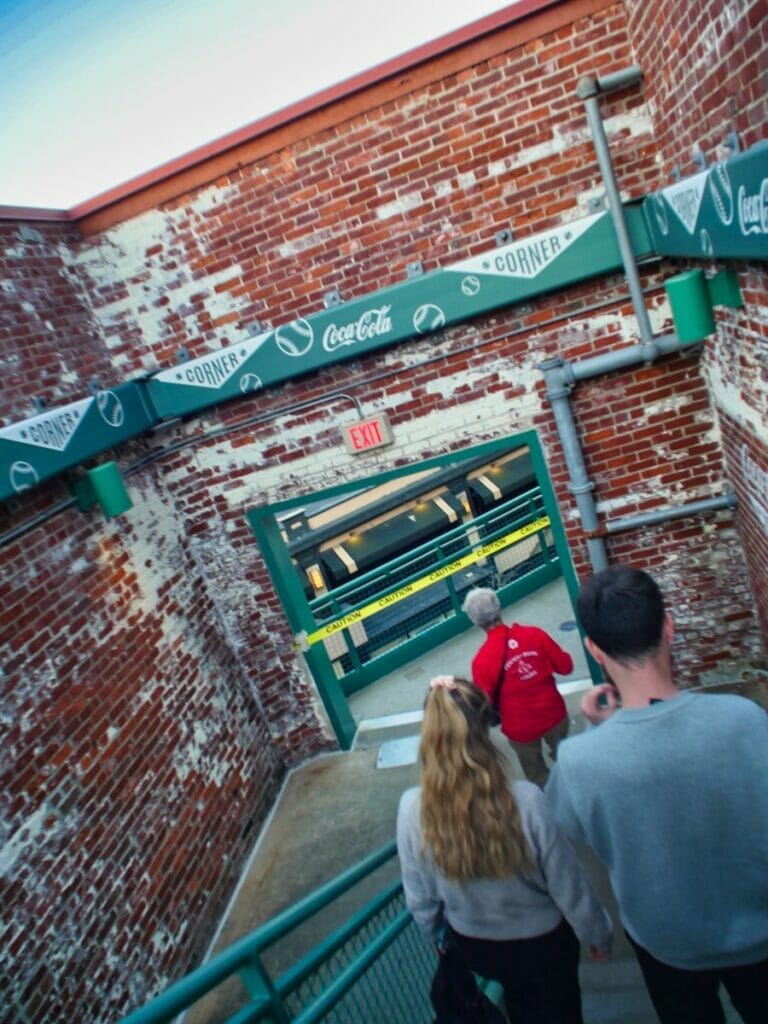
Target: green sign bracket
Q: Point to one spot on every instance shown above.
(720, 213)
(692, 298)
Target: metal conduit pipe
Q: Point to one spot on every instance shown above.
(579, 484)
(560, 377)
(663, 515)
(622, 358)
(177, 446)
(588, 90)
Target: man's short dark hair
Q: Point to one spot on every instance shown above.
(622, 611)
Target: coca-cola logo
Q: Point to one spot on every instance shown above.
(370, 324)
(753, 210)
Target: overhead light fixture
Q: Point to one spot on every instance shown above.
(316, 577)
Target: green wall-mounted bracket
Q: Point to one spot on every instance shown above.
(103, 485)
(691, 305)
(83, 490)
(692, 296)
(724, 290)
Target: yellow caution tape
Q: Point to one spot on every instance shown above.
(437, 574)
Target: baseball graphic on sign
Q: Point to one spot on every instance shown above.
(295, 339)
(23, 476)
(660, 212)
(706, 243)
(111, 408)
(428, 318)
(721, 192)
(470, 285)
(249, 382)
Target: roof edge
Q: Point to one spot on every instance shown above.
(34, 213)
(92, 209)
(316, 101)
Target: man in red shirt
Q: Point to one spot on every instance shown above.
(515, 667)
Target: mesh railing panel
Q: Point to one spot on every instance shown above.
(412, 615)
(442, 549)
(394, 988)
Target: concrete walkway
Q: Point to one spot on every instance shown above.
(336, 809)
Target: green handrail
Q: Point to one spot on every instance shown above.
(295, 975)
(406, 972)
(245, 951)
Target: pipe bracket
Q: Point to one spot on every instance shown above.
(599, 534)
(584, 488)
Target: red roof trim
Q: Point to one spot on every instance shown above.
(443, 44)
(34, 213)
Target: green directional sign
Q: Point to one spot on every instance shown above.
(720, 213)
(501, 277)
(55, 440)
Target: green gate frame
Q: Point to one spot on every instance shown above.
(299, 614)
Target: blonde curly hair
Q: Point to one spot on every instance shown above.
(469, 817)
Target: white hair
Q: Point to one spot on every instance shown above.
(482, 607)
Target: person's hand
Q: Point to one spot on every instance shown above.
(600, 702)
(601, 955)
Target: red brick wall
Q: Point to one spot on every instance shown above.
(706, 73)
(154, 698)
(51, 343)
(137, 762)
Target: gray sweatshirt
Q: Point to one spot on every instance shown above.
(514, 908)
(673, 798)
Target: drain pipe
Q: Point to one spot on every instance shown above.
(560, 376)
(663, 515)
(589, 89)
(621, 359)
(559, 383)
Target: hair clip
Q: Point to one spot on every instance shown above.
(447, 681)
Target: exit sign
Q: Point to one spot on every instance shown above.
(367, 434)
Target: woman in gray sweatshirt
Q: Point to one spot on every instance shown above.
(484, 859)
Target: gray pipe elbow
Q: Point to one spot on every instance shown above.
(558, 377)
(587, 87)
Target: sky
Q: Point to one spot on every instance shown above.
(96, 92)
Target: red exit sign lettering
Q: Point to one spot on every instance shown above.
(367, 434)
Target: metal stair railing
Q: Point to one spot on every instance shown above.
(373, 969)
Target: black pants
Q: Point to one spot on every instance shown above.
(539, 976)
(691, 997)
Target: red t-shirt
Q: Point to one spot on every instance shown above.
(527, 698)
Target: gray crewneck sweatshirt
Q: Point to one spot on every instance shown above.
(673, 798)
(515, 908)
